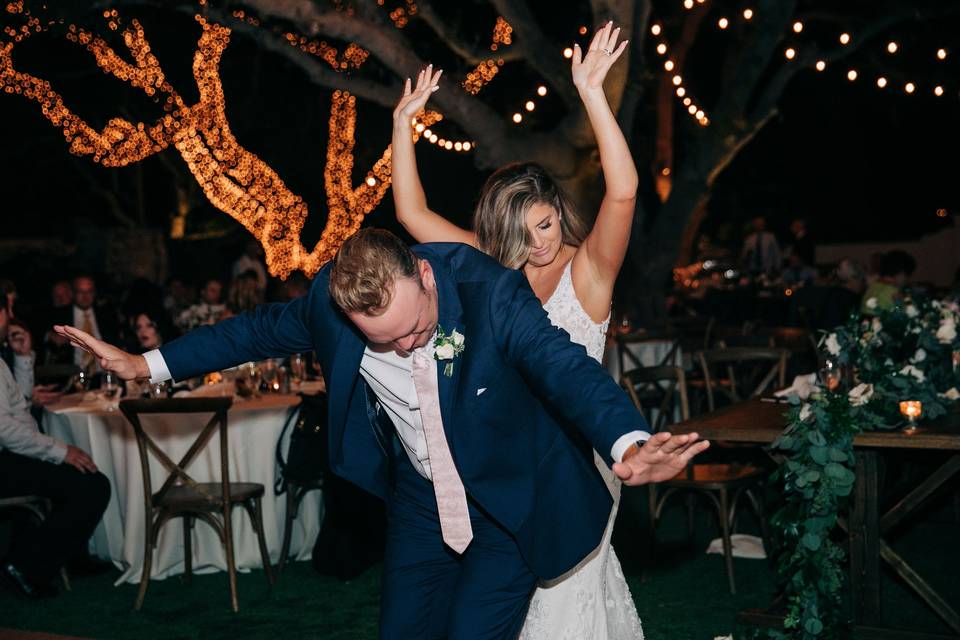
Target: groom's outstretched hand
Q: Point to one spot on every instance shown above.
(127, 366)
(660, 458)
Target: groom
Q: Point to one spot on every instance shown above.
(454, 399)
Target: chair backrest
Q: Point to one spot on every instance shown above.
(134, 408)
(693, 332)
(666, 384)
(750, 371)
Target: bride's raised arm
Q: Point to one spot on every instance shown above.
(408, 197)
(606, 245)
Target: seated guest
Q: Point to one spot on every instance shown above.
(797, 274)
(32, 463)
(148, 329)
(244, 293)
(895, 268)
(760, 253)
(87, 312)
(209, 310)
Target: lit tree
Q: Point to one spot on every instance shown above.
(683, 134)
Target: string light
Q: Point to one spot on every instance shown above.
(852, 75)
(485, 71)
(529, 105)
(688, 4)
(669, 65)
(234, 180)
(910, 87)
(748, 14)
(568, 53)
(942, 54)
(892, 47)
(723, 23)
(541, 91)
(844, 38)
(518, 117)
(790, 53)
(661, 48)
(681, 92)
(656, 29)
(938, 91)
(797, 26)
(692, 109)
(881, 82)
(821, 65)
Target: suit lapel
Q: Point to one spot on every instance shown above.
(450, 317)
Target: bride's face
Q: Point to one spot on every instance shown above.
(546, 237)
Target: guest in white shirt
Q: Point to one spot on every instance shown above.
(32, 463)
(761, 252)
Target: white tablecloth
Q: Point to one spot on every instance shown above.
(254, 426)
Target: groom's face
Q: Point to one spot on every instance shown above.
(410, 319)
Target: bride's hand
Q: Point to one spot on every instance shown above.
(661, 458)
(589, 70)
(415, 99)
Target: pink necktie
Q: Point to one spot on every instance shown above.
(451, 497)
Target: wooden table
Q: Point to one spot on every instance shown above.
(760, 422)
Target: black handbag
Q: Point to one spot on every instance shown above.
(307, 458)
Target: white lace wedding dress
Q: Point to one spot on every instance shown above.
(592, 600)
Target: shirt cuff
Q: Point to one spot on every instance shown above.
(157, 365)
(623, 443)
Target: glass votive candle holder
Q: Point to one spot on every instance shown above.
(911, 410)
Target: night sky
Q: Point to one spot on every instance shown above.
(860, 163)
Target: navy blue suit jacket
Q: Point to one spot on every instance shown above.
(522, 446)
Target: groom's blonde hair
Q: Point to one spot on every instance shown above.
(365, 269)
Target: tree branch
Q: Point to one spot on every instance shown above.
(537, 50)
(448, 35)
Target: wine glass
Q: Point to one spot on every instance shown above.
(297, 370)
(110, 390)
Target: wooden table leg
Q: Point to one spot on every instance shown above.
(864, 536)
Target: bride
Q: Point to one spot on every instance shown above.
(526, 222)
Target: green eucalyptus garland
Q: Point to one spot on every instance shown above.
(909, 352)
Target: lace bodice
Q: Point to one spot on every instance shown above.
(566, 312)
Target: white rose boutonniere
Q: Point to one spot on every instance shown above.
(447, 347)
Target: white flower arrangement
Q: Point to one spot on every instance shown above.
(448, 347)
(860, 394)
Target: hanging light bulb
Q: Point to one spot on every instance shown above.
(938, 91)
(518, 118)
(529, 105)
(852, 75)
(668, 65)
(692, 109)
(747, 14)
(677, 81)
(881, 82)
(688, 4)
(699, 114)
(892, 47)
(687, 101)
(568, 53)
(371, 181)
(661, 48)
(656, 29)
(681, 92)
(844, 38)
(541, 90)
(790, 53)
(467, 146)
(797, 26)
(942, 54)
(723, 23)
(910, 87)
(821, 65)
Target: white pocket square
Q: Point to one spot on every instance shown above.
(481, 390)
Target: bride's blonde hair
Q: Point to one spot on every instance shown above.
(499, 219)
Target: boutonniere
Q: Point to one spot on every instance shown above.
(447, 347)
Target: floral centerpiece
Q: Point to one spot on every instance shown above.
(909, 352)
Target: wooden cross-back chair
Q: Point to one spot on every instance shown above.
(180, 496)
(38, 507)
(722, 484)
(740, 373)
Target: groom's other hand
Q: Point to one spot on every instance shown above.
(127, 366)
(660, 458)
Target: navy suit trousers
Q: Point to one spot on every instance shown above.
(429, 591)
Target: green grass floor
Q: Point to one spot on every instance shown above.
(684, 596)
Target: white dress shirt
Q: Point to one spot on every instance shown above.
(18, 430)
(390, 377)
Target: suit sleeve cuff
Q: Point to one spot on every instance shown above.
(157, 365)
(623, 443)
